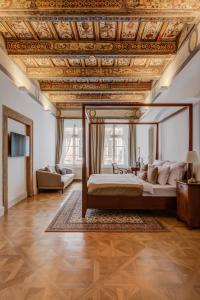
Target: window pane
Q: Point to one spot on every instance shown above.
(116, 144)
(72, 150)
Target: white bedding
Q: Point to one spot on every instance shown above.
(114, 184)
(124, 181)
(159, 190)
(150, 189)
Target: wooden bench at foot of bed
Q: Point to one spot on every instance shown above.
(124, 202)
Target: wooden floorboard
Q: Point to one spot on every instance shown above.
(39, 265)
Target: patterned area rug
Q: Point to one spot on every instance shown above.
(69, 219)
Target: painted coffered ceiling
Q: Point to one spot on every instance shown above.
(86, 50)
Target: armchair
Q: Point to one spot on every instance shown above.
(117, 170)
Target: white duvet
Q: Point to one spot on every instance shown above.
(124, 181)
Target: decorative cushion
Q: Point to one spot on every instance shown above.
(152, 174)
(47, 169)
(57, 168)
(163, 174)
(50, 169)
(63, 171)
(177, 171)
(143, 175)
(144, 167)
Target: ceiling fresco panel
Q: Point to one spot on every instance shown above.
(156, 62)
(172, 31)
(123, 62)
(29, 62)
(85, 30)
(74, 62)
(151, 30)
(140, 61)
(43, 62)
(64, 29)
(20, 29)
(129, 30)
(58, 62)
(107, 61)
(42, 30)
(108, 30)
(91, 61)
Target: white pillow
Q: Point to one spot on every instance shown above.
(176, 173)
(168, 163)
(158, 163)
(163, 174)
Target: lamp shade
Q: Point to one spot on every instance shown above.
(192, 157)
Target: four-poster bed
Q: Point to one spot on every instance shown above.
(102, 199)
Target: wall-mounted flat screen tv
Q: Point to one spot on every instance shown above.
(19, 145)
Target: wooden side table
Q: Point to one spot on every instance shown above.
(188, 203)
(135, 170)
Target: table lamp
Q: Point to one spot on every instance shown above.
(191, 158)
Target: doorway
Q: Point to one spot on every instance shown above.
(8, 113)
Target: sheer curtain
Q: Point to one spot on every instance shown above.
(60, 137)
(132, 145)
(97, 146)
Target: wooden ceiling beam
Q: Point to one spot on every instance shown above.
(54, 47)
(65, 8)
(63, 97)
(50, 86)
(138, 72)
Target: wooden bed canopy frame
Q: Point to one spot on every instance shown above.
(119, 202)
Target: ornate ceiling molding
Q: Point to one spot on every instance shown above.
(70, 87)
(96, 49)
(153, 7)
(61, 72)
(52, 47)
(57, 98)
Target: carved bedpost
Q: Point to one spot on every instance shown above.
(84, 165)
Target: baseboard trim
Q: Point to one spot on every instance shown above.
(17, 200)
(1, 211)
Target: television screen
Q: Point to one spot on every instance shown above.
(19, 145)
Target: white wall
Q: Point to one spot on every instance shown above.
(16, 165)
(44, 125)
(142, 138)
(174, 137)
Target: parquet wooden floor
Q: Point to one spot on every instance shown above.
(35, 265)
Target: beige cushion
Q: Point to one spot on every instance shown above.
(176, 173)
(163, 174)
(152, 174)
(144, 167)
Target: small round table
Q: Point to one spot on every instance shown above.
(135, 170)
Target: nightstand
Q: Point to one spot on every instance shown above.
(188, 203)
